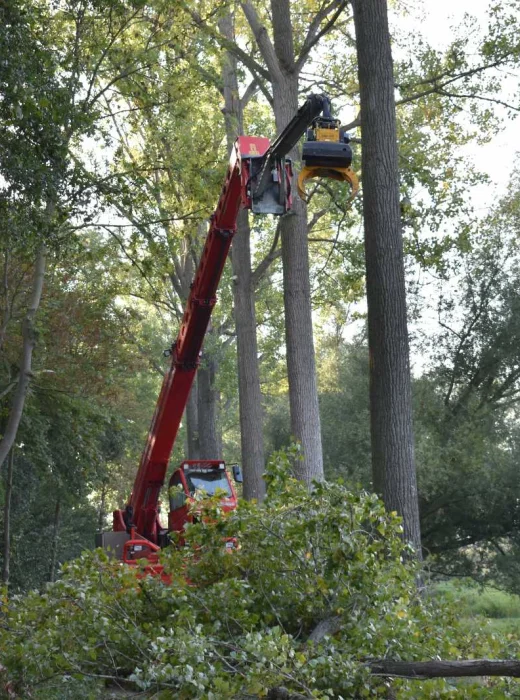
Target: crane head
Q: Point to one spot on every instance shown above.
(327, 154)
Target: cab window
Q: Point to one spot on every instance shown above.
(208, 481)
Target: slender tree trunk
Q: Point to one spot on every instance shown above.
(201, 414)
(29, 342)
(250, 395)
(301, 368)
(55, 540)
(209, 437)
(192, 424)
(182, 278)
(6, 315)
(102, 507)
(301, 365)
(7, 518)
(249, 392)
(390, 386)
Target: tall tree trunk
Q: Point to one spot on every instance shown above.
(201, 413)
(7, 518)
(282, 69)
(249, 392)
(250, 395)
(29, 342)
(102, 506)
(6, 315)
(390, 386)
(192, 424)
(55, 539)
(301, 367)
(209, 437)
(182, 277)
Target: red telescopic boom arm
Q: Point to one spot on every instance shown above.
(259, 178)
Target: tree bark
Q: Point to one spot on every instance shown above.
(250, 395)
(420, 670)
(192, 423)
(102, 506)
(29, 342)
(445, 669)
(6, 316)
(249, 392)
(393, 461)
(7, 518)
(301, 367)
(55, 538)
(209, 437)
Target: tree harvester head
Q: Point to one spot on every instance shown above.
(327, 153)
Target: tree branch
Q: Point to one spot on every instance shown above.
(313, 35)
(228, 44)
(474, 96)
(263, 41)
(445, 669)
(29, 342)
(249, 93)
(465, 74)
(272, 255)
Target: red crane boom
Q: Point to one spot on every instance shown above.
(259, 177)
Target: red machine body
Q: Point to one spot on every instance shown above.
(141, 513)
(259, 178)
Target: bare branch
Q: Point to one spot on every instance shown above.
(315, 218)
(474, 96)
(253, 65)
(274, 253)
(434, 80)
(249, 93)
(313, 35)
(263, 40)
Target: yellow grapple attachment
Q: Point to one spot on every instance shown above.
(326, 153)
(341, 174)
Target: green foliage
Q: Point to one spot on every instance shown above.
(238, 623)
(33, 106)
(75, 439)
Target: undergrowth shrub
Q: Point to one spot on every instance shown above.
(234, 625)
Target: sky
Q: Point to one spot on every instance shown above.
(496, 158)
(437, 21)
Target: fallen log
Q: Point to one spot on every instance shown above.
(419, 670)
(444, 669)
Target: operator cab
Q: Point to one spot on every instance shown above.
(194, 477)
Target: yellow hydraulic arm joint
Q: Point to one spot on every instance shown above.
(326, 153)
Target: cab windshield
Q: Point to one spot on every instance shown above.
(208, 481)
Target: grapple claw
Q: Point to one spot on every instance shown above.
(341, 174)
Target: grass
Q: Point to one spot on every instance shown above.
(498, 610)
